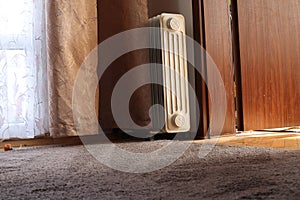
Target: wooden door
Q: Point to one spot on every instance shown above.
(268, 63)
(213, 31)
(218, 45)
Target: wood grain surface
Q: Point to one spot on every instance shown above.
(269, 38)
(218, 44)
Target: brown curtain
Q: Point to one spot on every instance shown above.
(71, 35)
(115, 17)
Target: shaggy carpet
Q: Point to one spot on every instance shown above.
(227, 172)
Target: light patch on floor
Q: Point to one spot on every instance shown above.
(289, 141)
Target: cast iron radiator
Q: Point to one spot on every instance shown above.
(170, 68)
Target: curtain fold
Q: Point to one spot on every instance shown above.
(71, 36)
(43, 44)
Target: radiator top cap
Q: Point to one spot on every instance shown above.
(174, 24)
(179, 120)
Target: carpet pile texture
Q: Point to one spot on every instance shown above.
(227, 172)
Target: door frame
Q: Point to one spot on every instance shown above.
(218, 44)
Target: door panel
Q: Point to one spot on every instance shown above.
(269, 56)
(213, 31)
(218, 44)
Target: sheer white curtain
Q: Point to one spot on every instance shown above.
(23, 73)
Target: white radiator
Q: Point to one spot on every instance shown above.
(171, 69)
